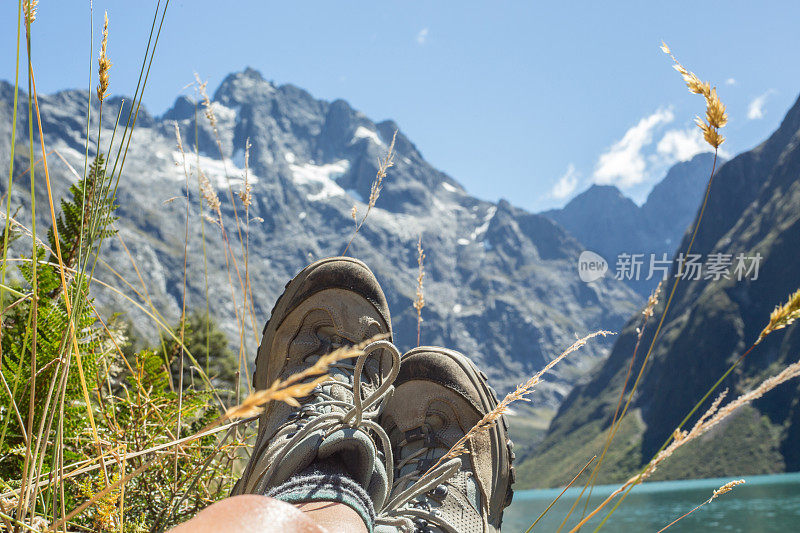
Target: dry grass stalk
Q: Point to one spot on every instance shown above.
(375, 191)
(291, 388)
(30, 8)
(231, 257)
(383, 166)
(209, 194)
(715, 109)
(727, 487)
(712, 417)
(567, 486)
(616, 421)
(782, 316)
(519, 394)
(27, 476)
(180, 353)
(652, 302)
(104, 63)
(419, 303)
(245, 195)
(715, 114)
(207, 103)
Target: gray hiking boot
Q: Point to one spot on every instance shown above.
(331, 303)
(439, 395)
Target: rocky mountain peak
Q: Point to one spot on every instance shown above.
(600, 198)
(607, 222)
(498, 286)
(751, 212)
(183, 109)
(241, 87)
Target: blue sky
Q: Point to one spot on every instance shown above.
(529, 101)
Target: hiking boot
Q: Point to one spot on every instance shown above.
(331, 303)
(439, 395)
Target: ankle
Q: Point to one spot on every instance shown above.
(333, 516)
(324, 484)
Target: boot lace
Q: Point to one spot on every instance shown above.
(402, 511)
(328, 413)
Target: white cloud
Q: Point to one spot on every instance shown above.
(681, 145)
(624, 164)
(730, 81)
(755, 110)
(566, 184)
(422, 36)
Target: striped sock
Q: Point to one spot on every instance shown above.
(326, 481)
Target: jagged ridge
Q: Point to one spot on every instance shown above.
(500, 285)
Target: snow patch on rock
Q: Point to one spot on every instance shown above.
(480, 230)
(366, 133)
(223, 113)
(320, 178)
(214, 169)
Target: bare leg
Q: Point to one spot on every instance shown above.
(251, 513)
(334, 516)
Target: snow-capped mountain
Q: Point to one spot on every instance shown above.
(501, 283)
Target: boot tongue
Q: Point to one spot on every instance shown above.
(354, 449)
(331, 340)
(437, 436)
(432, 431)
(356, 452)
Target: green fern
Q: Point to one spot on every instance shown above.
(131, 397)
(84, 219)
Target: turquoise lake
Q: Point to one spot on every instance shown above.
(762, 504)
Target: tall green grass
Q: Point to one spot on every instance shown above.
(83, 410)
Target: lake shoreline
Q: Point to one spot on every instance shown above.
(764, 503)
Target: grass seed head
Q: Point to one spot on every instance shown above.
(715, 109)
(652, 301)
(727, 487)
(30, 8)
(383, 165)
(209, 194)
(419, 303)
(245, 195)
(207, 103)
(104, 63)
(783, 315)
